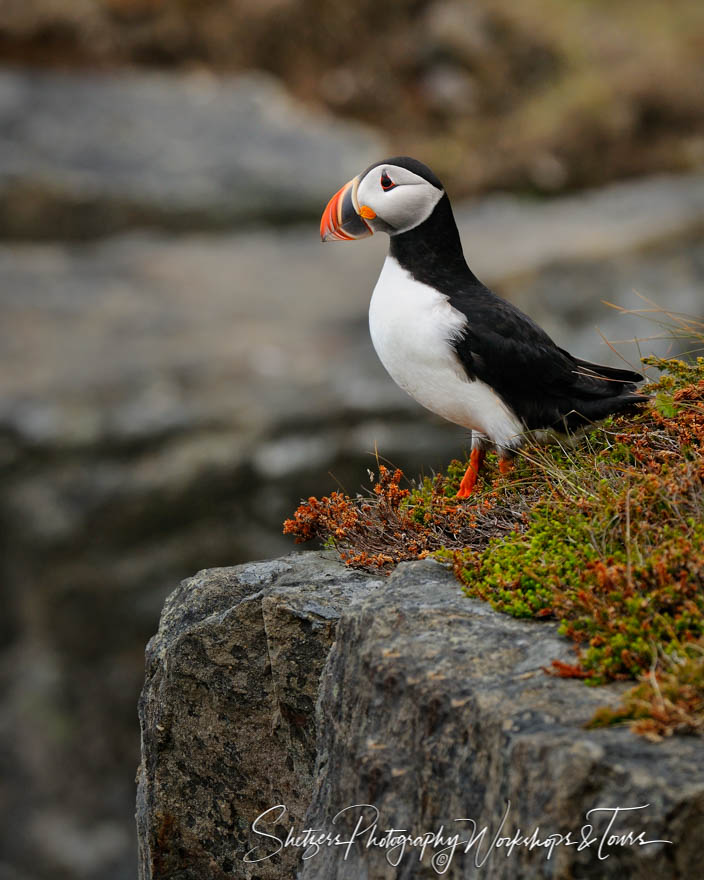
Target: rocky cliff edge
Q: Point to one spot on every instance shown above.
(301, 685)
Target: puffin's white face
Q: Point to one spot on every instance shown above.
(388, 198)
(397, 197)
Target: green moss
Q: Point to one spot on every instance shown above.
(519, 573)
(663, 704)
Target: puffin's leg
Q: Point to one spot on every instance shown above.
(506, 457)
(476, 459)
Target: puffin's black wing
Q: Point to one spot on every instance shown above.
(543, 384)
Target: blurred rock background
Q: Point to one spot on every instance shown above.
(181, 360)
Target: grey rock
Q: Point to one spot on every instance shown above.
(227, 712)
(401, 694)
(81, 156)
(597, 224)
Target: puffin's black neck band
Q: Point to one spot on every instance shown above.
(432, 251)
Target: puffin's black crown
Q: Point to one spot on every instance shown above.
(409, 164)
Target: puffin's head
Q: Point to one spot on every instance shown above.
(392, 196)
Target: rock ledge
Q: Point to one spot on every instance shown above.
(299, 682)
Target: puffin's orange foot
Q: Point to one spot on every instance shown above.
(470, 475)
(505, 466)
(467, 485)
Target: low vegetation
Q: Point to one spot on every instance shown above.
(604, 535)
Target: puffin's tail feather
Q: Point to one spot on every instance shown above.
(602, 372)
(594, 410)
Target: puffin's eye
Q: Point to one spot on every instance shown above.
(386, 182)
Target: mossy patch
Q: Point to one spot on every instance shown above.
(604, 535)
(670, 699)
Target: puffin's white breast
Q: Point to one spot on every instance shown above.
(412, 328)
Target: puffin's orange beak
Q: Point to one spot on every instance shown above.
(341, 220)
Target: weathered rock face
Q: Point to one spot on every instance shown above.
(228, 711)
(301, 683)
(84, 156)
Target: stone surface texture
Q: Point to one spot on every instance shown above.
(299, 682)
(84, 156)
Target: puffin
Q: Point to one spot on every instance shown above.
(452, 344)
